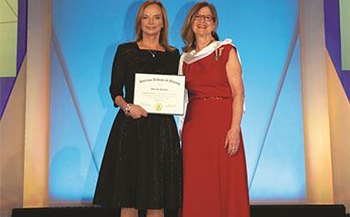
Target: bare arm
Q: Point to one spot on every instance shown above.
(234, 74)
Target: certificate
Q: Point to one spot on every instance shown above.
(160, 94)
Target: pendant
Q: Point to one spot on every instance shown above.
(153, 54)
(216, 57)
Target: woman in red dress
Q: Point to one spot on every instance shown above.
(215, 177)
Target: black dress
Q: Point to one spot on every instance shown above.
(142, 163)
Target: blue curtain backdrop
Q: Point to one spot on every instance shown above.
(86, 34)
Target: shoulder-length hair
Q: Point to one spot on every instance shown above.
(163, 38)
(187, 33)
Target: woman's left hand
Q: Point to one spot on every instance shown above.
(232, 141)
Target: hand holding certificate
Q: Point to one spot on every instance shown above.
(160, 94)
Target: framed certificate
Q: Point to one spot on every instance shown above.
(160, 94)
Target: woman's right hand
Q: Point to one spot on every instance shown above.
(136, 112)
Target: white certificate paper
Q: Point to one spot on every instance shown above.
(160, 94)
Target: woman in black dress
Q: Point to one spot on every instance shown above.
(142, 163)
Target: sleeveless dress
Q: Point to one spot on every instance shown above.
(215, 185)
(142, 163)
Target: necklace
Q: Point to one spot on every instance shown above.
(153, 54)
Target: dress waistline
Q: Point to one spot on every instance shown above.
(210, 98)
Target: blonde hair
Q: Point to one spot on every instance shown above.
(187, 33)
(163, 38)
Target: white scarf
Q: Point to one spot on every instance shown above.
(194, 56)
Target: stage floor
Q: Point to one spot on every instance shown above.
(256, 211)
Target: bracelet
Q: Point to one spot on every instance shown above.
(127, 108)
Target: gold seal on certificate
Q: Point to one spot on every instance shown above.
(160, 94)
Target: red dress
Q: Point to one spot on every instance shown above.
(215, 185)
